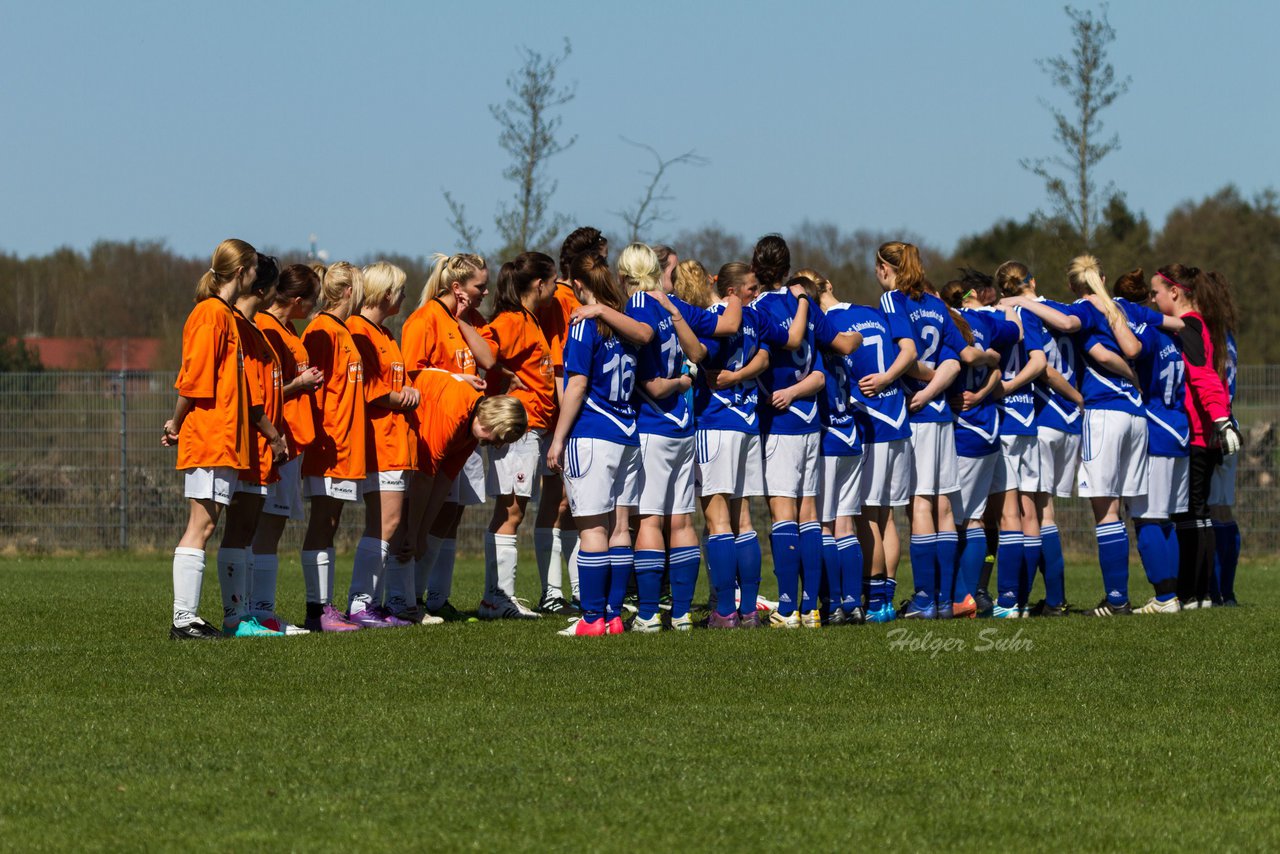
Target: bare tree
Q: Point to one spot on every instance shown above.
(468, 235)
(1089, 78)
(648, 211)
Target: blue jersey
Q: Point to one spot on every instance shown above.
(1233, 366)
(840, 434)
(934, 331)
(1018, 410)
(663, 358)
(978, 429)
(1162, 379)
(786, 368)
(882, 418)
(733, 408)
(610, 368)
(1100, 388)
(1053, 411)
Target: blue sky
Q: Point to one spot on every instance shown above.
(272, 120)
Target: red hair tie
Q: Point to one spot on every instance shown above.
(1172, 282)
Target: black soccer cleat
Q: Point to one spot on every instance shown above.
(555, 605)
(198, 630)
(986, 605)
(1106, 609)
(855, 616)
(1044, 609)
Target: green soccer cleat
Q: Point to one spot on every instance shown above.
(248, 627)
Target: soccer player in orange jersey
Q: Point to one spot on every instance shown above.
(334, 465)
(442, 334)
(295, 297)
(383, 556)
(210, 423)
(266, 450)
(524, 368)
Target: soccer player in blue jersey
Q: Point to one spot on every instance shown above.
(790, 429)
(1018, 555)
(1162, 380)
(1222, 487)
(912, 308)
(665, 423)
(596, 444)
(1114, 442)
(980, 466)
(728, 452)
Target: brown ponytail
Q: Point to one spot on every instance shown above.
(904, 258)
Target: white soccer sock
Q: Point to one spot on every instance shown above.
(506, 564)
(233, 578)
(546, 550)
(567, 537)
(440, 580)
(311, 575)
(188, 574)
(399, 574)
(262, 589)
(422, 571)
(371, 556)
(326, 592)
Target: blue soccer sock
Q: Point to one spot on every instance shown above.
(1226, 546)
(810, 564)
(593, 583)
(649, 566)
(1153, 549)
(1113, 558)
(924, 567)
(684, 563)
(878, 592)
(831, 570)
(1030, 560)
(621, 565)
(973, 554)
(1173, 552)
(1055, 567)
(890, 590)
(849, 557)
(747, 547)
(1008, 568)
(785, 542)
(722, 569)
(948, 545)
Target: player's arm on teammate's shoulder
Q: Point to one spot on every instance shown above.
(729, 321)
(628, 328)
(1058, 320)
(694, 350)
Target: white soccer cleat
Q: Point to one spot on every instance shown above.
(682, 624)
(651, 626)
(1155, 606)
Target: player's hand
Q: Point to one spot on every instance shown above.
(462, 303)
(586, 312)
(555, 454)
(473, 381)
(782, 399)
(516, 384)
(1229, 437)
(872, 384)
(663, 300)
(720, 379)
(686, 383)
(410, 397)
(968, 400)
(169, 436)
(279, 450)
(311, 378)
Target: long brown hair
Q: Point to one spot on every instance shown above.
(952, 294)
(904, 258)
(592, 272)
(231, 255)
(1211, 296)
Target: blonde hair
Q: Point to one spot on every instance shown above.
(693, 285)
(382, 280)
(336, 280)
(823, 283)
(505, 416)
(1012, 278)
(319, 269)
(1085, 272)
(231, 255)
(638, 268)
(450, 270)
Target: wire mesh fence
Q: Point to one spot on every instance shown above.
(82, 468)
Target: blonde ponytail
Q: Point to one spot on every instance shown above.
(1085, 271)
(336, 280)
(449, 270)
(639, 269)
(231, 255)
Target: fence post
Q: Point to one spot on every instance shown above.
(124, 463)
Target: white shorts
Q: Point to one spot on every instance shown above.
(468, 486)
(978, 480)
(331, 487)
(1021, 471)
(1113, 455)
(668, 475)
(284, 497)
(728, 463)
(841, 487)
(1059, 459)
(205, 484)
(600, 475)
(251, 488)
(887, 474)
(1169, 489)
(514, 468)
(385, 481)
(1222, 486)
(791, 465)
(933, 455)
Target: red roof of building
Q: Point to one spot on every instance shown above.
(96, 354)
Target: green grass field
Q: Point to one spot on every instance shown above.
(1147, 732)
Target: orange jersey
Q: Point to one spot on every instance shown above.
(216, 430)
(391, 443)
(432, 340)
(445, 439)
(339, 447)
(521, 348)
(262, 375)
(554, 319)
(299, 425)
